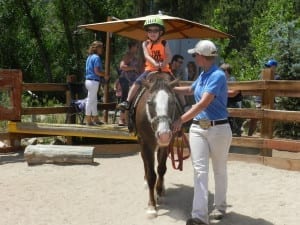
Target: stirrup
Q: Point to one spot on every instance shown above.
(123, 105)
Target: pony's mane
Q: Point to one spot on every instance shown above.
(160, 81)
(160, 84)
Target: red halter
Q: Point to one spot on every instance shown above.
(181, 144)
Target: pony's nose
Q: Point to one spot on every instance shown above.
(164, 138)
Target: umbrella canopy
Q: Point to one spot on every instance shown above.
(176, 28)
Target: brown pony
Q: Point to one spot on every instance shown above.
(156, 109)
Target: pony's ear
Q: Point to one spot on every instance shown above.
(174, 83)
(146, 83)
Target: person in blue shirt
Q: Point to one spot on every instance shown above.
(210, 133)
(93, 74)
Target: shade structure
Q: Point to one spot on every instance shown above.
(176, 28)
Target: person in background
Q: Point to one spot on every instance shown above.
(93, 73)
(176, 67)
(191, 71)
(234, 100)
(178, 73)
(130, 69)
(210, 133)
(272, 64)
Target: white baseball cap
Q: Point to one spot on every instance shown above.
(204, 47)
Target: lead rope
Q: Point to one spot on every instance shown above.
(180, 148)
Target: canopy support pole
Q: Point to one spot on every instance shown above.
(107, 71)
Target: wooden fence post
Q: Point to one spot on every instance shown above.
(11, 92)
(71, 79)
(10, 105)
(267, 103)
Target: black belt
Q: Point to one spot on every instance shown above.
(209, 123)
(93, 79)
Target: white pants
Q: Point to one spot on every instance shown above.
(91, 101)
(215, 143)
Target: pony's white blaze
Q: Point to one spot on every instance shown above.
(163, 128)
(161, 101)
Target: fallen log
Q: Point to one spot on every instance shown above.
(58, 154)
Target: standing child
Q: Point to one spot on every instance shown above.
(157, 54)
(118, 90)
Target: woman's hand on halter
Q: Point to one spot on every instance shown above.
(177, 125)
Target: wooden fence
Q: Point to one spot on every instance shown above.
(268, 89)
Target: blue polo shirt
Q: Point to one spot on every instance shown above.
(214, 82)
(93, 61)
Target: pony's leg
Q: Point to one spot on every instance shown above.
(162, 155)
(148, 159)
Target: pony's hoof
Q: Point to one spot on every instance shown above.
(151, 212)
(160, 200)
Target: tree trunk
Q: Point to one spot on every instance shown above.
(58, 154)
(35, 29)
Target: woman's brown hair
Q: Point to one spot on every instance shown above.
(93, 47)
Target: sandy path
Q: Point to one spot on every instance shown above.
(111, 192)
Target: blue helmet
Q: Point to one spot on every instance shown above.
(271, 62)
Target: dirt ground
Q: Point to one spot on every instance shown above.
(111, 192)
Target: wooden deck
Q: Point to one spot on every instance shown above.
(109, 131)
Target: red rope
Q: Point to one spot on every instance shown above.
(179, 147)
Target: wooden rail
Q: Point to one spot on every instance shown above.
(11, 82)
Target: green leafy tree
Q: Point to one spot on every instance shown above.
(267, 34)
